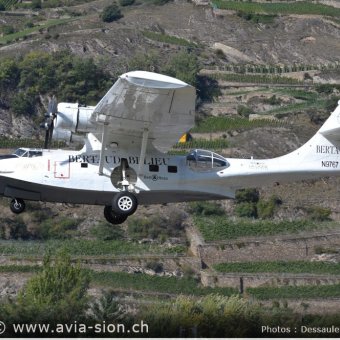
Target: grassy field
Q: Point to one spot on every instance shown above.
(215, 144)
(220, 124)
(317, 104)
(299, 7)
(295, 292)
(295, 267)
(6, 39)
(79, 247)
(147, 283)
(217, 228)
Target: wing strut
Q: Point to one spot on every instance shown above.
(143, 150)
(104, 137)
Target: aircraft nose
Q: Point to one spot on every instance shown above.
(4, 164)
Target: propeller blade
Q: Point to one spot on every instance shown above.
(48, 124)
(46, 139)
(50, 130)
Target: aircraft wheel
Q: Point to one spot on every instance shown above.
(113, 218)
(124, 203)
(17, 205)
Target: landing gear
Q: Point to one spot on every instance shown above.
(17, 205)
(124, 203)
(112, 217)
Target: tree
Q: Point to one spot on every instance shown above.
(184, 66)
(57, 294)
(22, 104)
(9, 75)
(204, 317)
(144, 62)
(111, 13)
(126, 2)
(8, 30)
(36, 4)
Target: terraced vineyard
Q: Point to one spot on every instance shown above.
(83, 247)
(8, 3)
(156, 284)
(302, 292)
(220, 124)
(255, 79)
(215, 144)
(300, 7)
(216, 228)
(296, 267)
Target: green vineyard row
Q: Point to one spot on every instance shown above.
(301, 7)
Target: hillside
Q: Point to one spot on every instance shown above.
(267, 74)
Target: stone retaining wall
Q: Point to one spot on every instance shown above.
(265, 279)
(267, 249)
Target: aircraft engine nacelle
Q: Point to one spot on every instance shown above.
(71, 119)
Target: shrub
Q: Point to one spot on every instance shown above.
(111, 13)
(126, 2)
(18, 229)
(105, 232)
(205, 208)
(8, 30)
(247, 195)
(203, 317)
(156, 266)
(246, 209)
(159, 2)
(325, 88)
(266, 208)
(36, 4)
(220, 54)
(54, 227)
(331, 103)
(106, 308)
(2, 7)
(157, 227)
(273, 100)
(244, 111)
(29, 24)
(319, 213)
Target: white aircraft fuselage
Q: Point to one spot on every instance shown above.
(72, 176)
(124, 161)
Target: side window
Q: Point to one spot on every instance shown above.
(203, 160)
(172, 169)
(153, 168)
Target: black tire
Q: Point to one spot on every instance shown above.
(17, 205)
(113, 218)
(124, 203)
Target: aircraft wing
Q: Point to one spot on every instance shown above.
(143, 109)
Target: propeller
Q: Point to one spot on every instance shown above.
(48, 124)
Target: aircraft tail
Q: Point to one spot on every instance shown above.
(324, 145)
(331, 128)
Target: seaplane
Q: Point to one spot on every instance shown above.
(125, 162)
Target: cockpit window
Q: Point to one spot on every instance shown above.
(34, 153)
(27, 153)
(20, 153)
(203, 160)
